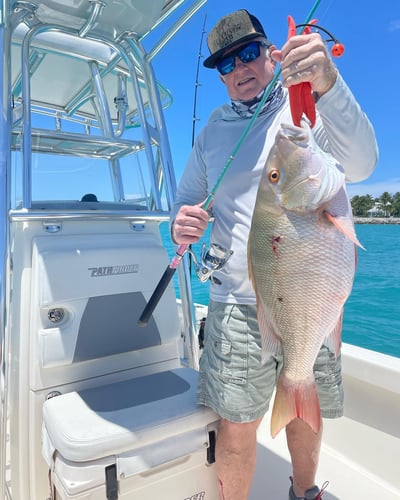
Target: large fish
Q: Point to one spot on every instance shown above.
(302, 257)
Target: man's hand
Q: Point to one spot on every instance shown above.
(305, 58)
(189, 225)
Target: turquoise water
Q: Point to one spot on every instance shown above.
(372, 312)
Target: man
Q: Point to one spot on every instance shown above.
(233, 381)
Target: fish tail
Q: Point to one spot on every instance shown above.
(295, 400)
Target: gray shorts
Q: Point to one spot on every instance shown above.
(232, 380)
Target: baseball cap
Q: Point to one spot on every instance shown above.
(230, 30)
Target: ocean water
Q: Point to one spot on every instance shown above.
(372, 312)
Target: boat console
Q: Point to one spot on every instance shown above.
(93, 405)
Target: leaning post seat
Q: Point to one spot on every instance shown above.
(119, 412)
(141, 438)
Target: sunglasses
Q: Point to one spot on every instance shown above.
(246, 54)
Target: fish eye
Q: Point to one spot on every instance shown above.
(274, 176)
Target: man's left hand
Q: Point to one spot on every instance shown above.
(305, 58)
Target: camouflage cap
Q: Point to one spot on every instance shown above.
(229, 31)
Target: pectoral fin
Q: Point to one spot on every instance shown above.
(345, 226)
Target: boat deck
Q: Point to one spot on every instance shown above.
(347, 480)
(359, 460)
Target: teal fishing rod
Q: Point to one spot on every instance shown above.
(182, 249)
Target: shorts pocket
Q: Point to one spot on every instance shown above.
(230, 347)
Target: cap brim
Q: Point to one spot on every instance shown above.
(212, 60)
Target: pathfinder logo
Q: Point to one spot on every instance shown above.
(96, 272)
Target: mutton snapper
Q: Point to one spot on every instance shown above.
(302, 258)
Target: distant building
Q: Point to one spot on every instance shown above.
(379, 210)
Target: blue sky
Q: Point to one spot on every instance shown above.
(370, 65)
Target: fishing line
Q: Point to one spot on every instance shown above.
(170, 271)
(323, 12)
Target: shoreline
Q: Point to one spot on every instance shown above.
(376, 220)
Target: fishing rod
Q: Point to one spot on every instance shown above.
(195, 119)
(197, 83)
(182, 249)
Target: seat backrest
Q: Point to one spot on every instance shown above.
(87, 290)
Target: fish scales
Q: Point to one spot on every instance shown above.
(301, 263)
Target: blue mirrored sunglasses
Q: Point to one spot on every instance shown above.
(246, 54)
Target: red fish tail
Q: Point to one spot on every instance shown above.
(295, 400)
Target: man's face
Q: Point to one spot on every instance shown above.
(248, 79)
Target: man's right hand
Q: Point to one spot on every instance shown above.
(189, 225)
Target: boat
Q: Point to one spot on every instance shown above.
(94, 404)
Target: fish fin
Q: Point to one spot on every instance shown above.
(270, 342)
(295, 400)
(345, 226)
(250, 266)
(335, 337)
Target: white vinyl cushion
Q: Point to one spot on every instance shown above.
(123, 416)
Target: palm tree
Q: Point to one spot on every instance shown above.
(395, 208)
(386, 200)
(361, 204)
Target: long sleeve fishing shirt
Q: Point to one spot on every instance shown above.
(342, 129)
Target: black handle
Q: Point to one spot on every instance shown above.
(156, 296)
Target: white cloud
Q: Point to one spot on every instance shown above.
(375, 189)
